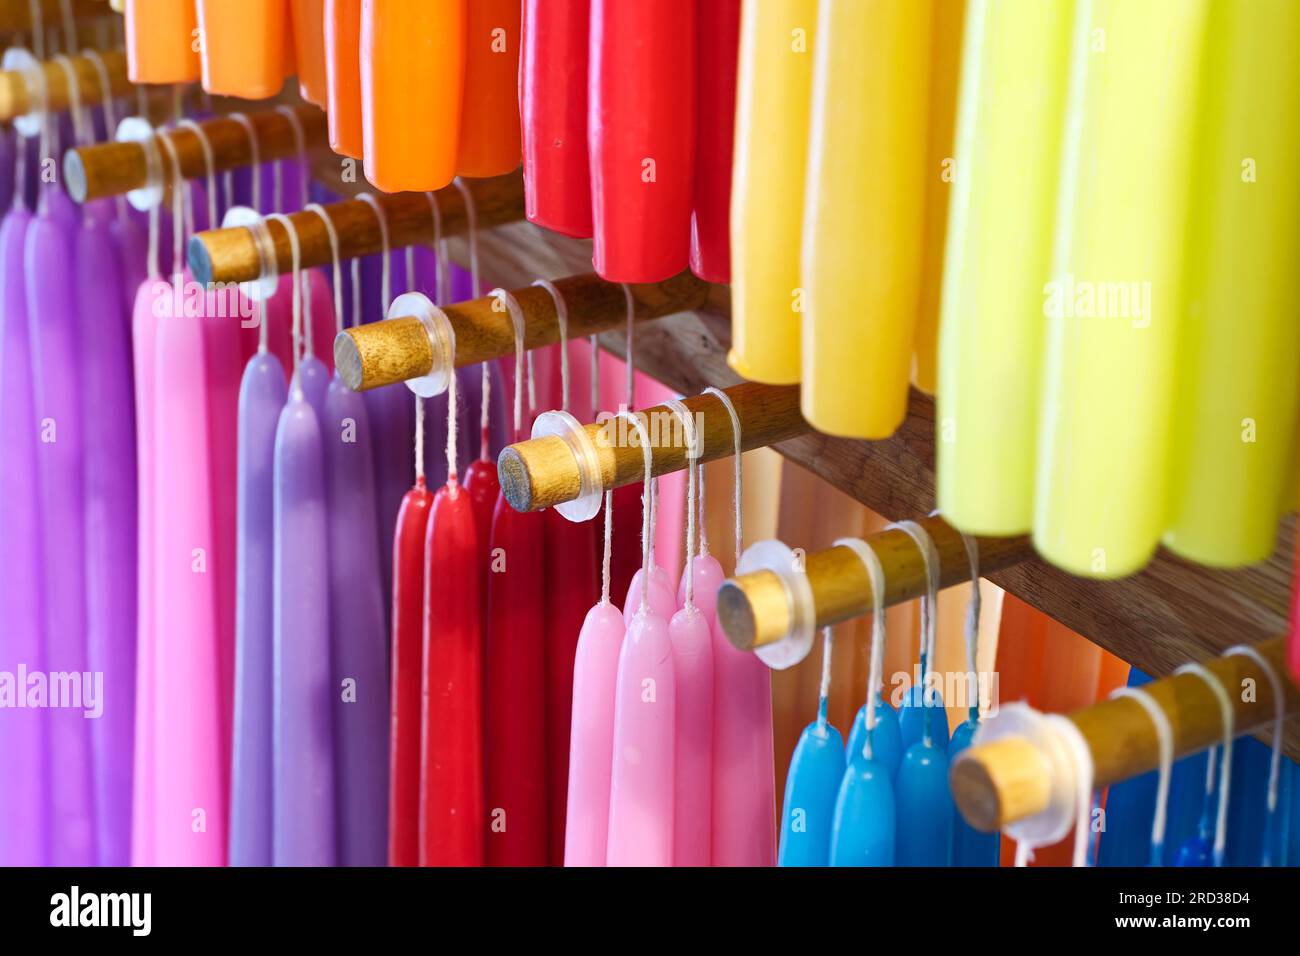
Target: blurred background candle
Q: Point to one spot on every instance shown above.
(244, 46)
(864, 213)
(641, 132)
(717, 50)
(1115, 298)
(489, 119)
(553, 103)
(343, 76)
(412, 78)
(1236, 395)
(161, 43)
(309, 50)
(1008, 143)
(940, 173)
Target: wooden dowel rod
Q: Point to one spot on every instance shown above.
(16, 15)
(113, 169)
(543, 472)
(1007, 780)
(16, 99)
(754, 608)
(230, 255)
(398, 349)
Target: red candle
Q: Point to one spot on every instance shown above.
(451, 781)
(483, 486)
(572, 577)
(641, 136)
(408, 671)
(489, 119)
(717, 54)
(515, 691)
(553, 101)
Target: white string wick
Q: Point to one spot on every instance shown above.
(561, 320)
(300, 150)
(209, 161)
(79, 136)
(69, 25)
(386, 286)
(110, 111)
(930, 556)
(1225, 766)
(337, 269)
(824, 691)
(876, 576)
(630, 343)
(298, 344)
(38, 28)
(595, 377)
(1165, 744)
(518, 321)
(1279, 722)
(972, 624)
(1069, 734)
(725, 399)
(476, 292)
(693, 451)
(179, 188)
(255, 153)
(439, 248)
(608, 551)
(646, 504)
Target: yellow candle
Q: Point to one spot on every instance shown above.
(1015, 74)
(1234, 427)
(940, 173)
(864, 213)
(1114, 304)
(772, 106)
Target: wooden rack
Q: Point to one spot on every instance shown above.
(16, 15)
(16, 98)
(230, 255)
(114, 169)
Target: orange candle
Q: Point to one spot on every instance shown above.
(309, 50)
(160, 42)
(244, 46)
(343, 75)
(412, 78)
(489, 123)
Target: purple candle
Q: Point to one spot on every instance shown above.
(110, 565)
(57, 383)
(261, 398)
(303, 789)
(24, 743)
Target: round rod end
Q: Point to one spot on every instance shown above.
(197, 254)
(74, 176)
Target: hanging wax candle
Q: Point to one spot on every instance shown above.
(812, 784)
(692, 653)
(641, 134)
(1237, 387)
(110, 531)
(886, 740)
(343, 75)
(309, 49)
(921, 716)
(489, 119)
(262, 395)
(160, 42)
(304, 823)
(940, 172)
(52, 310)
(717, 50)
(452, 826)
(358, 644)
(24, 746)
(407, 670)
(553, 107)
(744, 779)
(571, 575)
(1108, 391)
(773, 100)
(865, 213)
(1010, 128)
(661, 595)
(642, 790)
(515, 667)
(244, 46)
(863, 825)
(412, 77)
